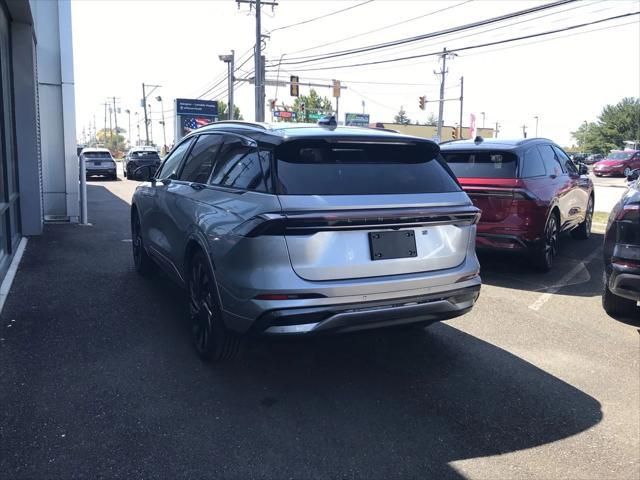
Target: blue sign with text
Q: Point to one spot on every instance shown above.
(201, 108)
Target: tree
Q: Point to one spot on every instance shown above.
(401, 117)
(223, 111)
(313, 103)
(615, 124)
(114, 142)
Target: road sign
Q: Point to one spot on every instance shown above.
(202, 108)
(283, 114)
(315, 116)
(357, 119)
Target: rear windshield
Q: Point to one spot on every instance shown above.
(482, 164)
(98, 155)
(145, 155)
(321, 168)
(619, 156)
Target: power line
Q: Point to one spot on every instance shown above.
(321, 16)
(492, 29)
(460, 49)
(383, 28)
(402, 41)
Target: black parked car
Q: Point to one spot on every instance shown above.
(138, 157)
(622, 254)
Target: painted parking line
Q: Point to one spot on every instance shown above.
(565, 280)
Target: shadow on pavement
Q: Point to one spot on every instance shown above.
(99, 379)
(571, 272)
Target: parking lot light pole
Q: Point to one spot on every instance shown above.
(537, 118)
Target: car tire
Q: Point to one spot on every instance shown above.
(124, 172)
(583, 231)
(627, 171)
(212, 340)
(141, 260)
(543, 258)
(617, 306)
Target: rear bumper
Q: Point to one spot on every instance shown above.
(505, 243)
(424, 309)
(624, 282)
(101, 171)
(608, 171)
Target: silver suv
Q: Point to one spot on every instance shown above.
(289, 229)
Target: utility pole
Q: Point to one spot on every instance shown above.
(110, 126)
(230, 61)
(128, 112)
(150, 123)
(443, 72)
(497, 129)
(461, 97)
(145, 94)
(115, 119)
(104, 130)
(257, 54)
(537, 118)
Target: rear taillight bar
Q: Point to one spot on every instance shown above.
(292, 223)
(515, 193)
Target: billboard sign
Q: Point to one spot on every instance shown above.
(357, 119)
(194, 113)
(200, 108)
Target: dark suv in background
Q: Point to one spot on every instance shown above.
(529, 191)
(622, 254)
(296, 230)
(138, 157)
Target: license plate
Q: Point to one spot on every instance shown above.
(97, 164)
(388, 245)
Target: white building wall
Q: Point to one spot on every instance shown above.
(52, 22)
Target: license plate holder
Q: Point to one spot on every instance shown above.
(389, 245)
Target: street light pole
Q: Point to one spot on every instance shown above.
(537, 118)
(145, 94)
(164, 132)
(128, 112)
(483, 117)
(230, 61)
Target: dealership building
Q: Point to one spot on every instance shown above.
(38, 158)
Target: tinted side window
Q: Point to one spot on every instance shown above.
(172, 163)
(198, 166)
(238, 166)
(532, 165)
(551, 164)
(569, 166)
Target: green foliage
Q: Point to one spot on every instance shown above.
(223, 111)
(615, 124)
(313, 103)
(112, 140)
(401, 117)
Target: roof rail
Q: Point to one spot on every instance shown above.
(241, 123)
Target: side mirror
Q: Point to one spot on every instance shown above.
(584, 170)
(143, 174)
(634, 175)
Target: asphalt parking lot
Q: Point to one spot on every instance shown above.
(98, 378)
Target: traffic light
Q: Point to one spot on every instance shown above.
(454, 133)
(294, 89)
(336, 88)
(423, 101)
(272, 103)
(302, 109)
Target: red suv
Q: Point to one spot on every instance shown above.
(529, 192)
(618, 163)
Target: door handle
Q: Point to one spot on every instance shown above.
(196, 186)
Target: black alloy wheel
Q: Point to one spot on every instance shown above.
(141, 260)
(544, 258)
(212, 340)
(583, 231)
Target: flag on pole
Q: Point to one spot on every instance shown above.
(472, 127)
